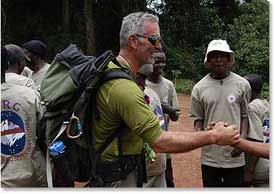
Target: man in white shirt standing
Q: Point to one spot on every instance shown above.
(36, 50)
(168, 97)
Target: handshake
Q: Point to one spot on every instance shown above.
(223, 133)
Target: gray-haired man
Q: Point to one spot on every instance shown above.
(122, 101)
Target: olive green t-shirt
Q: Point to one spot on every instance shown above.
(118, 101)
(220, 100)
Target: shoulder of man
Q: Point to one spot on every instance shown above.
(117, 86)
(44, 69)
(241, 83)
(168, 82)
(259, 106)
(203, 81)
(124, 74)
(23, 81)
(21, 92)
(27, 72)
(239, 79)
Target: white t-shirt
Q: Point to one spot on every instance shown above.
(21, 80)
(38, 76)
(159, 166)
(167, 94)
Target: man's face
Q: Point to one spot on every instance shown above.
(158, 68)
(218, 62)
(30, 63)
(145, 46)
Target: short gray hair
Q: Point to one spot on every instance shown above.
(133, 24)
(16, 54)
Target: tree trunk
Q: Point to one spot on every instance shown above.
(89, 27)
(4, 36)
(66, 15)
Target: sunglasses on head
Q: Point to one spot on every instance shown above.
(153, 39)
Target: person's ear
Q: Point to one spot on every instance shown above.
(132, 41)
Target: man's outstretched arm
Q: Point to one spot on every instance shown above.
(255, 148)
(179, 142)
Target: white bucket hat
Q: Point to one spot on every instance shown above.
(219, 45)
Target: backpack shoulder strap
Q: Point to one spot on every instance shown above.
(108, 75)
(116, 73)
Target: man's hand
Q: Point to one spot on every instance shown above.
(172, 112)
(225, 134)
(174, 116)
(236, 153)
(211, 125)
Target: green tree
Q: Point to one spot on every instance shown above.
(92, 25)
(249, 38)
(187, 27)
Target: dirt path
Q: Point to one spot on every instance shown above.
(186, 167)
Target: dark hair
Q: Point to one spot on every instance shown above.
(16, 54)
(36, 47)
(255, 81)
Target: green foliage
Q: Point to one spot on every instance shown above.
(61, 40)
(43, 20)
(180, 60)
(186, 33)
(187, 27)
(249, 38)
(184, 85)
(265, 91)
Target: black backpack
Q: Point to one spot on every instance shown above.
(68, 90)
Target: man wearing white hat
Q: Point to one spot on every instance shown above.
(221, 96)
